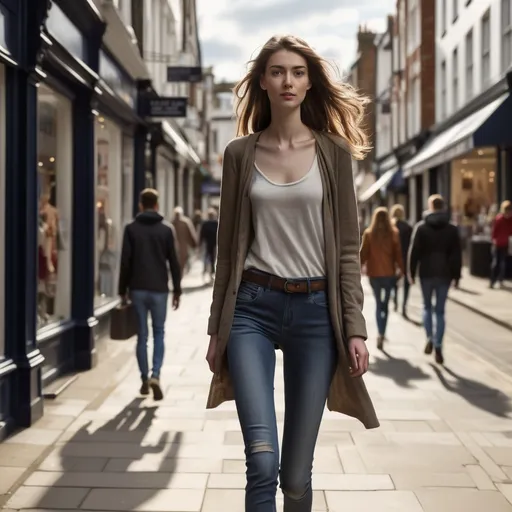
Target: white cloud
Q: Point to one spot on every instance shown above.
(245, 26)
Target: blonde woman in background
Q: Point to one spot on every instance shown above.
(381, 253)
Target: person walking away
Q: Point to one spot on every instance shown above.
(288, 269)
(148, 250)
(208, 239)
(186, 235)
(381, 253)
(501, 240)
(436, 250)
(405, 233)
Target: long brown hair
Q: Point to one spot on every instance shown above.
(329, 106)
(381, 227)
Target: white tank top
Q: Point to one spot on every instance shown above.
(288, 226)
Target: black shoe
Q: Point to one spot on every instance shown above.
(144, 389)
(429, 347)
(439, 356)
(380, 342)
(154, 384)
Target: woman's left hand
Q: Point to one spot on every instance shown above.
(359, 356)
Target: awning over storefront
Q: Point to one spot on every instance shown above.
(121, 42)
(181, 146)
(479, 129)
(380, 183)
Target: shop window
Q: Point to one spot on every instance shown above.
(55, 192)
(127, 181)
(109, 208)
(2, 217)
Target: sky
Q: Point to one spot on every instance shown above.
(233, 31)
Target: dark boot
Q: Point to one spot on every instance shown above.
(380, 342)
(154, 384)
(429, 347)
(144, 389)
(439, 355)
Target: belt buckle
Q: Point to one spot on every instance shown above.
(293, 284)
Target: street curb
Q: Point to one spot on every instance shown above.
(497, 321)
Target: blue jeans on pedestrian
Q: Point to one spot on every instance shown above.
(382, 287)
(499, 264)
(439, 287)
(154, 303)
(300, 325)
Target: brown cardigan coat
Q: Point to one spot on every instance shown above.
(347, 394)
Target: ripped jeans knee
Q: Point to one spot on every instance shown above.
(262, 464)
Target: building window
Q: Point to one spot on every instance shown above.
(455, 81)
(455, 10)
(486, 48)
(55, 187)
(506, 34)
(108, 208)
(469, 65)
(443, 89)
(2, 218)
(413, 28)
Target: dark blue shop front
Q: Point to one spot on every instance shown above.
(71, 166)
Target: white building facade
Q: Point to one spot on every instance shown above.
(467, 158)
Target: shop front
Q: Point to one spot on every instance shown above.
(467, 163)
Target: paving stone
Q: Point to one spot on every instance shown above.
(419, 438)
(462, 500)
(412, 480)
(8, 477)
(332, 482)
(383, 501)
(480, 477)
(144, 500)
(150, 480)
(54, 462)
(235, 466)
(501, 456)
(506, 490)
(34, 435)
(151, 463)
(20, 455)
(47, 498)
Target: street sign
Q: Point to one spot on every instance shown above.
(184, 74)
(167, 107)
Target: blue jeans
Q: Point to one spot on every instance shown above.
(154, 303)
(382, 287)
(499, 264)
(300, 324)
(406, 287)
(439, 287)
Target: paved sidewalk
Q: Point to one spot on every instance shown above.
(445, 443)
(474, 293)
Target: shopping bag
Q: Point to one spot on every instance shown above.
(123, 322)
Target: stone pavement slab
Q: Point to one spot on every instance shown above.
(445, 441)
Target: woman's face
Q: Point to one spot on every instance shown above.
(286, 79)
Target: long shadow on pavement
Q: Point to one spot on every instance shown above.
(401, 371)
(476, 393)
(101, 460)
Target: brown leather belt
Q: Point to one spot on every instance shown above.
(284, 285)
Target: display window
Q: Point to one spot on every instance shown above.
(473, 189)
(2, 217)
(55, 192)
(127, 180)
(109, 208)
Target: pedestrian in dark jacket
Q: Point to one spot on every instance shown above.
(436, 250)
(208, 237)
(405, 233)
(501, 235)
(148, 250)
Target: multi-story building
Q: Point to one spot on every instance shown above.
(389, 186)
(76, 148)
(468, 157)
(362, 75)
(222, 128)
(413, 98)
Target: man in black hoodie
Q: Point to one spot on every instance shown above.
(148, 246)
(436, 248)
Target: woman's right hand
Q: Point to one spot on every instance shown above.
(212, 350)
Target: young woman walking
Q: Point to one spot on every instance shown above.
(381, 252)
(288, 272)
